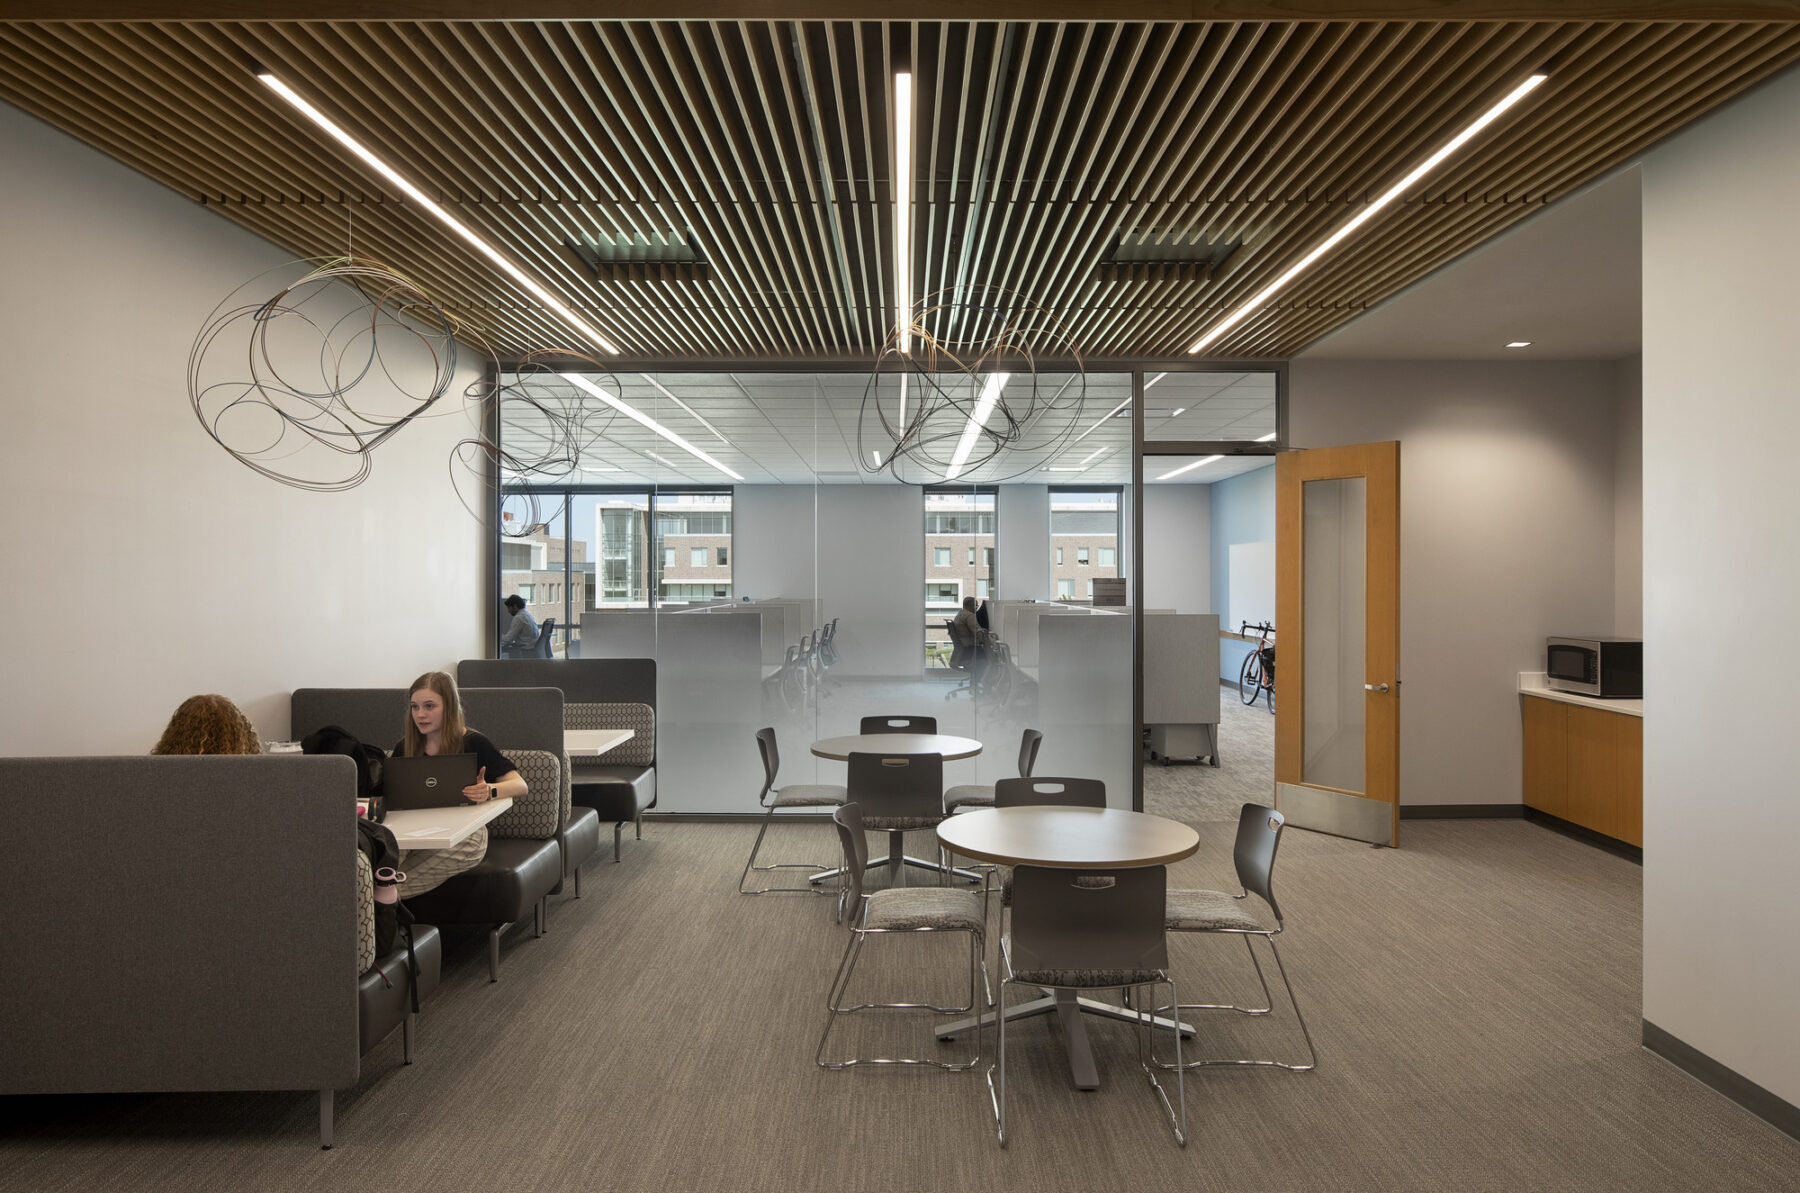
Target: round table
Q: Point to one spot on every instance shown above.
(1067, 838)
(1108, 838)
(952, 748)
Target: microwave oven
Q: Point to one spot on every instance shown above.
(1610, 668)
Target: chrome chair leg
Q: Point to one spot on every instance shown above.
(1312, 1054)
(840, 987)
(812, 888)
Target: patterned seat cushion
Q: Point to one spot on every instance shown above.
(968, 795)
(1082, 977)
(900, 824)
(639, 718)
(907, 909)
(365, 913)
(1208, 911)
(806, 795)
(544, 808)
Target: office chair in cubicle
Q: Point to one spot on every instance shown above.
(546, 640)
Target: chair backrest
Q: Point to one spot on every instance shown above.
(1029, 741)
(771, 759)
(1258, 837)
(1026, 792)
(898, 725)
(897, 784)
(1089, 919)
(849, 821)
(546, 639)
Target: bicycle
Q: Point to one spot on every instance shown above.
(1258, 672)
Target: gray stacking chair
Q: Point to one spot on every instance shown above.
(978, 795)
(545, 647)
(1258, 837)
(795, 795)
(1025, 792)
(914, 909)
(1084, 930)
(898, 725)
(899, 793)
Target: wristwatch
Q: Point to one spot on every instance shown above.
(493, 791)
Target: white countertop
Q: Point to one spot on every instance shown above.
(440, 828)
(1534, 683)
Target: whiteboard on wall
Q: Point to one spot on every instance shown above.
(1252, 584)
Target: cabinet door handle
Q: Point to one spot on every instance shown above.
(1375, 687)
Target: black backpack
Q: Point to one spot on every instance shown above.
(377, 842)
(334, 739)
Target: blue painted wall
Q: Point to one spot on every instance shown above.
(1243, 511)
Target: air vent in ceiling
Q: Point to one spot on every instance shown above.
(635, 257)
(1165, 255)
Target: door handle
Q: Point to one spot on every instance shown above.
(1375, 687)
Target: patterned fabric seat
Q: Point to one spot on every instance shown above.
(900, 824)
(912, 909)
(1208, 911)
(808, 795)
(1081, 977)
(968, 795)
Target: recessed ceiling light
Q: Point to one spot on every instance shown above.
(1189, 467)
(1177, 410)
(990, 394)
(413, 193)
(644, 420)
(903, 211)
(1520, 344)
(1261, 298)
(1065, 470)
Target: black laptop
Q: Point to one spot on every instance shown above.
(428, 781)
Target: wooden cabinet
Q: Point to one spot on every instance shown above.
(1585, 765)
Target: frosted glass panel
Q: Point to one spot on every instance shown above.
(1336, 564)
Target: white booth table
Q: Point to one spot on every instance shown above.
(440, 828)
(589, 743)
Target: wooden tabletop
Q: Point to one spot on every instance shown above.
(1071, 838)
(951, 748)
(586, 743)
(440, 828)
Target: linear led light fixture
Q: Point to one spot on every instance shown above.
(1094, 455)
(1101, 423)
(990, 394)
(1269, 438)
(1154, 380)
(903, 215)
(1366, 214)
(663, 390)
(644, 420)
(412, 192)
(1065, 470)
(1189, 467)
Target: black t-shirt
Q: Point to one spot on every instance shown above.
(487, 755)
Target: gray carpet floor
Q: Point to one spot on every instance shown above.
(1245, 774)
(1474, 996)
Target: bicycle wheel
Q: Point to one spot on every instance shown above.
(1250, 677)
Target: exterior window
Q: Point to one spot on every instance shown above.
(987, 559)
(1090, 590)
(941, 557)
(1059, 561)
(981, 589)
(668, 557)
(697, 557)
(724, 557)
(971, 557)
(1081, 556)
(1106, 557)
(1065, 590)
(525, 593)
(945, 595)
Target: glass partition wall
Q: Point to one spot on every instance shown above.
(747, 530)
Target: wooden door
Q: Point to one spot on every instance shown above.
(1337, 619)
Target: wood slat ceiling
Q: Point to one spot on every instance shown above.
(768, 146)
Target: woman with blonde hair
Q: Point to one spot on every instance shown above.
(208, 724)
(434, 725)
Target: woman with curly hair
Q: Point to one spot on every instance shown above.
(209, 724)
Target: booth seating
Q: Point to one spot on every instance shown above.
(597, 694)
(525, 855)
(183, 924)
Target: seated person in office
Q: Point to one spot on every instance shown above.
(965, 632)
(434, 725)
(208, 724)
(521, 632)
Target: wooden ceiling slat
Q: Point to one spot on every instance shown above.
(1037, 144)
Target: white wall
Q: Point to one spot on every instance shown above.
(1721, 569)
(159, 566)
(774, 540)
(1178, 547)
(875, 590)
(1628, 502)
(1506, 537)
(1243, 511)
(1023, 558)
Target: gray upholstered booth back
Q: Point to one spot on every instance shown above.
(512, 718)
(183, 923)
(582, 681)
